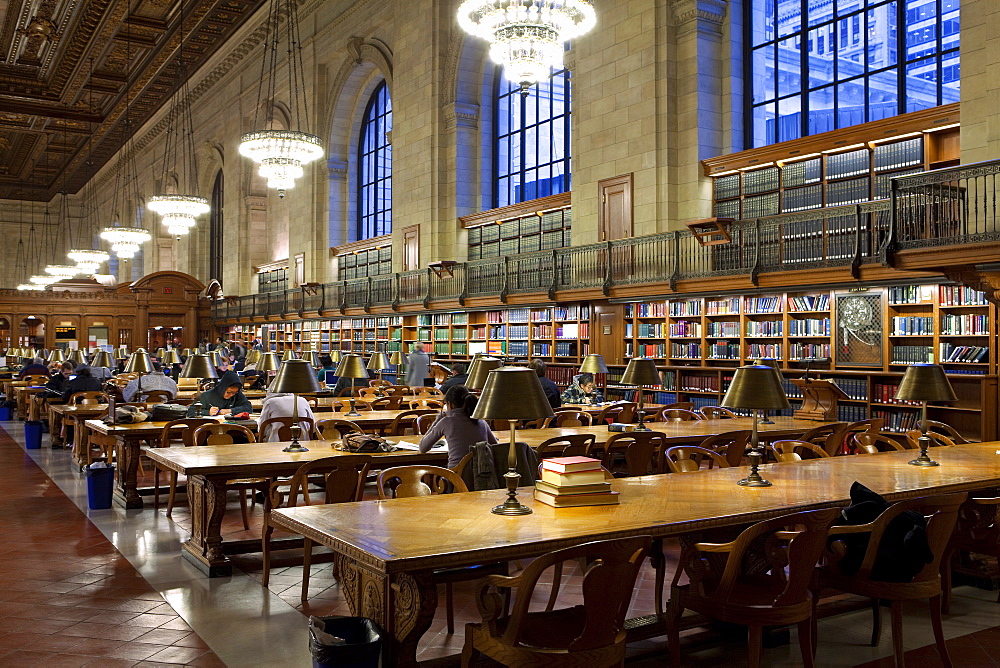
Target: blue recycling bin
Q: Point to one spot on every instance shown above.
(5, 414)
(100, 486)
(32, 435)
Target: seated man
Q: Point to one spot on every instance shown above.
(458, 377)
(84, 382)
(226, 398)
(36, 368)
(550, 388)
(279, 405)
(57, 384)
(582, 391)
(153, 381)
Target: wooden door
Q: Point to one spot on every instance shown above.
(607, 331)
(615, 220)
(411, 248)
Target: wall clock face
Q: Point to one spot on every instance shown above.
(859, 330)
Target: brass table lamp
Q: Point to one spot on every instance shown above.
(56, 356)
(639, 372)
(512, 393)
(336, 355)
(379, 362)
(289, 355)
(296, 377)
(353, 367)
(594, 364)
(268, 363)
(200, 367)
(479, 371)
(313, 359)
(756, 388)
(102, 358)
(170, 357)
(923, 383)
(140, 363)
(397, 360)
(773, 363)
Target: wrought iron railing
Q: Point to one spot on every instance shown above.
(940, 208)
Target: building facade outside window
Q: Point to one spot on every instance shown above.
(375, 166)
(531, 139)
(819, 65)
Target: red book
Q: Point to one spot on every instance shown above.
(571, 464)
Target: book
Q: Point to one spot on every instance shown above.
(555, 490)
(571, 500)
(574, 478)
(571, 464)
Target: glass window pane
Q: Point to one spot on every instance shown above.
(374, 185)
(882, 99)
(789, 67)
(790, 118)
(819, 11)
(821, 110)
(921, 84)
(921, 28)
(761, 22)
(789, 17)
(821, 65)
(950, 75)
(763, 124)
(845, 7)
(949, 24)
(882, 36)
(763, 74)
(851, 103)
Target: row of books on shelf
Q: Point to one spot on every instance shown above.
(912, 354)
(763, 305)
(855, 388)
(685, 328)
(799, 351)
(912, 326)
(724, 351)
(906, 294)
(765, 351)
(809, 303)
(561, 349)
(964, 325)
(809, 327)
(967, 354)
(852, 412)
(724, 328)
(907, 153)
(960, 295)
(896, 420)
(729, 306)
(885, 393)
(765, 328)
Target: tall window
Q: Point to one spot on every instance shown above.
(375, 167)
(817, 65)
(531, 140)
(215, 230)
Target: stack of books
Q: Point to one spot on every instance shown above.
(574, 481)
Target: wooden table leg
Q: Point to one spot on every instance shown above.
(127, 473)
(207, 500)
(55, 428)
(402, 604)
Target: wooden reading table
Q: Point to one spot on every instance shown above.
(66, 415)
(383, 558)
(23, 395)
(209, 467)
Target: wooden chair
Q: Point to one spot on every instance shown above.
(783, 552)
(871, 444)
(828, 436)
(571, 445)
(405, 421)
(187, 427)
(406, 481)
(436, 404)
(792, 451)
(87, 398)
(156, 397)
(368, 392)
(424, 422)
(683, 405)
(871, 426)
(344, 406)
(716, 413)
(285, 430)
(641, 451)
(941, 512)
(35, 380)
(217, 433)
(689, 458)
(569, 418)
(334, 429)
(343, 480)
(589, 634)
(623, 412)
(393, 403)
(937, 439)
(673, 415)
(730, 444)
(428, 393)
(398, 391)
(377, 382)
(946, 430)
(977, 531)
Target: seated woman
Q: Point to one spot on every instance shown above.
(226, 398)
(279, 405)
(456, 426)
(582, 391)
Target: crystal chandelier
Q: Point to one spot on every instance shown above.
(88, 261)
(178, 211)
(282, 153)
(30, 286)
(41, 281)
(61, 271)
(527, 37)
(126, 241)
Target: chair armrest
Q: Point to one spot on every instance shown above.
(715, 547)
(851, 528)
(992, 501)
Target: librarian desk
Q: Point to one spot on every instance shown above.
(383, 559)
(207, 469)
(127, 439)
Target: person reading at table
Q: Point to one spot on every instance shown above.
(582, 391)
(36, 368)
(84, 382)
(457, 426)
(279, 405)
(150, 382)
(57, 384)
(550, 388)
(226, 398)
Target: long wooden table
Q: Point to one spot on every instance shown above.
(384, 559)
(61, 415)
(209, 467)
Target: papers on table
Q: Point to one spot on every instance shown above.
(406, 445)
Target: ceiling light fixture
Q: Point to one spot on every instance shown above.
(89, 261)
(527, 37)
(282, 153)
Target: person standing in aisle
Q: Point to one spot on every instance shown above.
(418, 365)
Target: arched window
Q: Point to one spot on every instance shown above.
(215, 235)
(375, 167)
(531, 149)
(819, 66)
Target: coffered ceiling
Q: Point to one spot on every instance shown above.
(65, 68)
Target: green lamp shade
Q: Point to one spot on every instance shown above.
(756, 388)
(512, 393)
(641, 371)
(352, 366)
(593, 363)
(925, 382)
(199, 366)
(295, 377)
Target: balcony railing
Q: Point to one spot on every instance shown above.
(941, 208)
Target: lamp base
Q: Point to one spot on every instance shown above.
(511, 506)
(924, 459)
(754, 480)
(352, 413)
(295, 446)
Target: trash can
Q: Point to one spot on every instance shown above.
(344, 642)
(100, 485)
(32, 435)
(4, 413)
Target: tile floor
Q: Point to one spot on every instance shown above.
(115, 576)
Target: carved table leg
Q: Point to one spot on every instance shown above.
(207, 500)
(127, 473)
(402, 604)
(55, 427)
